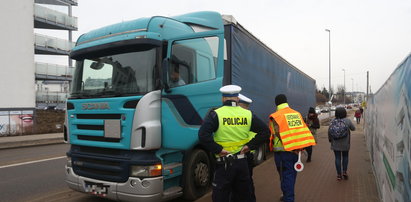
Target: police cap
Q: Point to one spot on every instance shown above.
(230, 90)
(245, 99)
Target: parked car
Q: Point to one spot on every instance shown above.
(325, 109)
(333, 108)
(317, 110)
(60, 107)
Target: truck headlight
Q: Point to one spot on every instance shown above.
(146, 171)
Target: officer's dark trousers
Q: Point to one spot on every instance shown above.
(234, 179)
(309, 151)
(250, 161)
(284, 162)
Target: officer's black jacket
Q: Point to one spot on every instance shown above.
(210, 125)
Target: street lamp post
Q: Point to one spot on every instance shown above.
(344, 87)
(352, 92)
(352, 84)
(329, 64)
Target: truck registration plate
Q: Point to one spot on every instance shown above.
(96, 188)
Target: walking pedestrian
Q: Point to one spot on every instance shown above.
(358, 115)
(289, 135)
(231, 125)
(339, 136)
(313, 124)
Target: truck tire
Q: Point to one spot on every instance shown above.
(260, 154)
(197, 175)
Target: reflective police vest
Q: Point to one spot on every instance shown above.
(294, 133)
(234, 124)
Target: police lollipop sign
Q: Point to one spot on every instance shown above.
(299, 166)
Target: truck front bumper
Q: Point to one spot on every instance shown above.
(134, 189)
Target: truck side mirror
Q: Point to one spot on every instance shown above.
(165, 65)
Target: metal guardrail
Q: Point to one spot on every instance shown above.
(52, 42)
(55, 16)
(51, 97)
(58, 2)
(48, 69)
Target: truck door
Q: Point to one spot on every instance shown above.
(192, 83)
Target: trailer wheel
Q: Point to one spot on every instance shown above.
(196, 175)
(260, 154)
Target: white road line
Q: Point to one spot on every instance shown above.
(30, 162)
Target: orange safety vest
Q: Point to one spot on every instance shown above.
(294, 133)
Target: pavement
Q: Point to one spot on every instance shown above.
(9, 142)
(318, 181)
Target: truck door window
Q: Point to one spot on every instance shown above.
(193, 61)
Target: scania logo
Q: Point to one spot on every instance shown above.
(100, 105)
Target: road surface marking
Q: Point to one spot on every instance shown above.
(30, 162)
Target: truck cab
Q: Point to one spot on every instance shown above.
(134, 132)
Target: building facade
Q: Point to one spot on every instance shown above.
(26, 84)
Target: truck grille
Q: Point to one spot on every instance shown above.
(90, 127)
(98, 139)
(92, 132)
(98, 116)
(108, 164)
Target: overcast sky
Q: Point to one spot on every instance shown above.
(366, 35)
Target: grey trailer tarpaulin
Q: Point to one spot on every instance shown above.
(263, 74)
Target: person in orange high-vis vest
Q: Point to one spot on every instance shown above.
(289, 135)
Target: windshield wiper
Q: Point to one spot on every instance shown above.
(80, 95)
(109, 93)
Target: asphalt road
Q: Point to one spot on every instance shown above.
(27, 173)
(37, 174)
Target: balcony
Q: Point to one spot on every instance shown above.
(50, 19)
(46, 71)
(51, 45)
(58, 2)
(51, 97)
(51, 100)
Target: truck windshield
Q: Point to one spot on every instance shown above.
(124, 74)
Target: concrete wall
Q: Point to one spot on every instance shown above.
(17, 87)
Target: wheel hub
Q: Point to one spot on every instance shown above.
(201, 174)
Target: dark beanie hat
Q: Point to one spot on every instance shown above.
(311, 110)
(280, 99)
(340, 113)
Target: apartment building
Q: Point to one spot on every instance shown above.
(26, 84)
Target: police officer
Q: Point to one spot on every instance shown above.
(289, 135)
(245, 103)
(231, 125)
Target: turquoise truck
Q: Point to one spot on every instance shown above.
(139, 94)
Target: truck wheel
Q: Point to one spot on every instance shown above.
(196, 175)
(259, 155)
